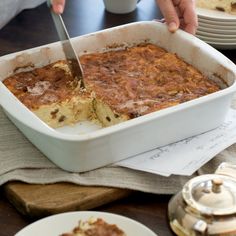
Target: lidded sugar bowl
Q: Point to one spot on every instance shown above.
(206, 205)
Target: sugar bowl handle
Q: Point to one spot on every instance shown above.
(227, 169)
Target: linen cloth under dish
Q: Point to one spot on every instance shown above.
(20, 160)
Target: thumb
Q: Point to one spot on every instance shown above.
(168, 10)
(58, 6)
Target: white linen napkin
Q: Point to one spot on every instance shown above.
(20, 160)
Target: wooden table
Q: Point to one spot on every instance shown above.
(33, 28)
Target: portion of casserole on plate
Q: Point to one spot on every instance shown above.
(228, 6)
(95, 227)
(120, 85)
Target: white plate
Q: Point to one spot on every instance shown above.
(226, 24)
(227, 46)
(217, 40)
(62, 223)
(215, 15)
(212, 35)
(217, 29)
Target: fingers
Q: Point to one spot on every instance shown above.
(189, 16)
(168, 10)
(175, 11)
(58, 6)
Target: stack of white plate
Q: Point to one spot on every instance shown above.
(217, 28)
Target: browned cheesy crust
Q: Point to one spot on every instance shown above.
(120, 85)
(52, 94)
(95, 227)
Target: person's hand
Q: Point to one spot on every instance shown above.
(58, 6)
(179, 14)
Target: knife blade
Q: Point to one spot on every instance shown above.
(71, 56)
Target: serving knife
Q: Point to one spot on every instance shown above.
(71, 56)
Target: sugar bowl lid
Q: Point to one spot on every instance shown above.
(211, 194)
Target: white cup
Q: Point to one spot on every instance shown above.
(120, 6)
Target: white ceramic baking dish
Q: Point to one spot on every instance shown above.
(101, 146)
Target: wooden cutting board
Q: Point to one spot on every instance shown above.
(36, 200)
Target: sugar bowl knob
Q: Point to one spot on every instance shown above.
(216, 185)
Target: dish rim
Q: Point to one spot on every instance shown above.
(43, 128)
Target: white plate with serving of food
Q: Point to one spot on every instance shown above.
(219, 17)
(217, 10)
(82, 223)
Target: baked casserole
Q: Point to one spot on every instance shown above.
(120, 85)
(228, 6)
(95, 227)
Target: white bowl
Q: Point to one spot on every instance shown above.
(96, 148)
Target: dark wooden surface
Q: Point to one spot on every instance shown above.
(33, 28)
(148, 209)
(39, 200)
